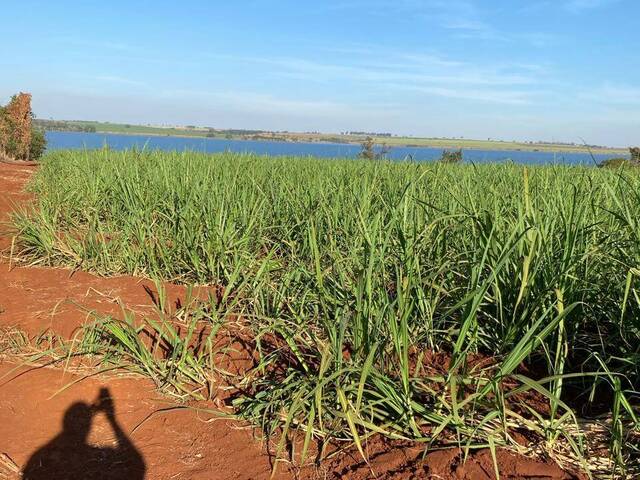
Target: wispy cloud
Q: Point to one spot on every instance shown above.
(427, 74)
(473, 29)
(495, 96)
(613, 94)
(464, 19)
(577, 6)
(119, 80)
(94, 44)
(563, 6)
(256, 103)
(539, 39)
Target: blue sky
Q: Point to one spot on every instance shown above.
(512, 69)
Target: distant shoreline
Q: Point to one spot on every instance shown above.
(319, 138)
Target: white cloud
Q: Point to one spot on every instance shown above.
(99, 45)
(577, 6)
(473, 29)
(119, 80)
(611, 94)
(496, 96)
(265, 104)
(465, 19)
(427, 74)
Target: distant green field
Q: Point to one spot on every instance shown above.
(465, 144)
(191, 131)
(494, 145)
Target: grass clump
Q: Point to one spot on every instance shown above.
(355, 275)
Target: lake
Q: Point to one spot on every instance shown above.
(78, 140)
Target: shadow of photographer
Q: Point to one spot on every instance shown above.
(69, 456)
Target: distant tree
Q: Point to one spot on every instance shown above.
(369, 150)
(635, 156)
(454, 156)
(18, 139)
(16, 127)
(38, 144)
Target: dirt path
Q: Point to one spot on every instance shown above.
(41, 420)
(179, 444)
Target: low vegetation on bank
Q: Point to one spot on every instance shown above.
(623, 162)
(443, 304)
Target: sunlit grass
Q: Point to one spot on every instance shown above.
(351, 274)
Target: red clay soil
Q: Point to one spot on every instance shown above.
(181, 444)
(177, 444)
(388, 461)
(45, 427)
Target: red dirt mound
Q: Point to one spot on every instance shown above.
(392, 460)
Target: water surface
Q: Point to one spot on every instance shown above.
(79, 140)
